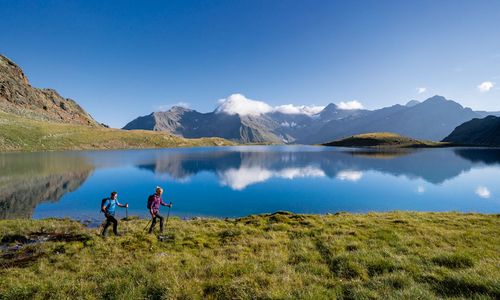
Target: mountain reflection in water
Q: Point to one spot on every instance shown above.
(68, 183)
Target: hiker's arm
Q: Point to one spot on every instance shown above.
(121, 205)
(165, 204)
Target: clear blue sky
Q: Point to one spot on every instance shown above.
(121, 59)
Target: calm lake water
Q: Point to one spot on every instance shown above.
(237, 181)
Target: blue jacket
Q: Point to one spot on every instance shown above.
(110, 205)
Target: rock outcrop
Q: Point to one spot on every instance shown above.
(18, 97)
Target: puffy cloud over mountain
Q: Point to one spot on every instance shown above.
(239, 104)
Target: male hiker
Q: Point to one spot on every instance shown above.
(154, 202)
(108, 207)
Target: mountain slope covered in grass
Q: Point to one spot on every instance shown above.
(22, 134)
(383, 139)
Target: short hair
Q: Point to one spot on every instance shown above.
(158, 188)
(113, 193)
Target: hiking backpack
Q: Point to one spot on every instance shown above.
(102, 203)
(150, 201)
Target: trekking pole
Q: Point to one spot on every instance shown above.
(168, 214)
(147, 225)
(126, 212)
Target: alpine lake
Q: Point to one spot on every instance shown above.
(239, 181)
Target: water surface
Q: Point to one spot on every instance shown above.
(237, 181)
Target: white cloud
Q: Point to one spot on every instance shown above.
(420, 189)
(350, 175)
(483, 192)
(350, 105)
(291, 173)
(239, 179)
(485, 86)
(239, 104)
(421, 90)
(298, 109)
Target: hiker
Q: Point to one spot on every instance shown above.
(108, 207)
(154, 202)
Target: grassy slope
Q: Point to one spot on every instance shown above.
(383, 139)
(399, 255)
(20, 134)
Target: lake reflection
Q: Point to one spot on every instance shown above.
(235, 181)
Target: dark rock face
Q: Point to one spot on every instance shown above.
(18, 97)
(477, 132)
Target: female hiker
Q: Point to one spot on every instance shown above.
(108, 207)
(154, 202)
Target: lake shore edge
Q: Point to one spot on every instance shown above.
(279, 255)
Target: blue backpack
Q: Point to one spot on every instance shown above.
(103, 201)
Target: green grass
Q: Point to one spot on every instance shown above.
(397, 255)
(21, 134)
(384, 139)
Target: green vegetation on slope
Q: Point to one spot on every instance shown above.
(21, 134)
(383, 139)
(398, 255)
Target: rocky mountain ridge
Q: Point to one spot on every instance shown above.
(18, 97)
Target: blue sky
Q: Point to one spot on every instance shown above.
(121, 59)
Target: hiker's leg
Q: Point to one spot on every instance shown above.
(115, 225)
(161, 222)
(153, 223)
(106, 225)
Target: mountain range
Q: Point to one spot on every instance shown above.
(238, 119)
(432, 119)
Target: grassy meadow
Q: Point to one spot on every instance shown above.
(21, 134)
(396, 255)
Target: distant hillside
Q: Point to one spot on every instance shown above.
(18, 97)
(432, 119)
(383, 139)
(477, 132)
(22, 134)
